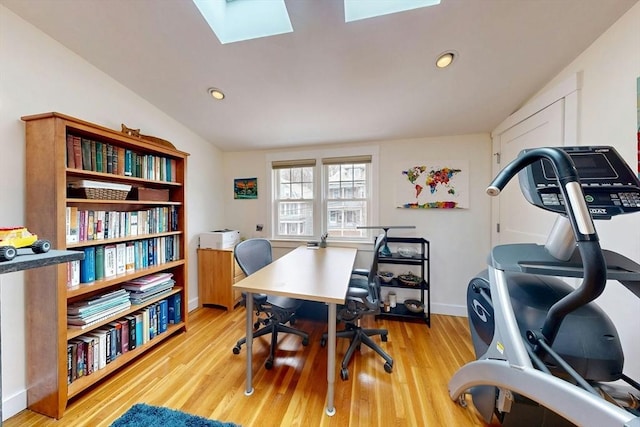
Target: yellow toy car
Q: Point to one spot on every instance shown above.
(13, 238)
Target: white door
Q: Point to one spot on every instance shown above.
(517, 220)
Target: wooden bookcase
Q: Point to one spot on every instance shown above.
(46, 292)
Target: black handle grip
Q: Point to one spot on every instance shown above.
(594, 265)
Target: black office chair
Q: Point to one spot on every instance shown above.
(363, 299)
(252, 255)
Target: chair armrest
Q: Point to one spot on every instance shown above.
(360, 272)
(357, 292)
(257, 298)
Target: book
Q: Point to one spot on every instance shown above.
(130, 257)
(139, 326)
(94, 320)
(88, 265)
(118, 338)
(74, 219)
(86, 154)
(74, 274)
(109, 261)
(99, 262)
(99, 217)
(100, 349)
(98, 156)
(121, 258)
(109, 158)
(97, 300)
(127, 163)
(145, 325)
(163, 321)
(120, 160)
(174, 315)
(92, 145)
(71, 160)
(70, 358)
(132, 327)
(89, 353)
(148, 281)
(124, 335)
(77, 152)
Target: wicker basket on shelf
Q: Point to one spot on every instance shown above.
(99, 190)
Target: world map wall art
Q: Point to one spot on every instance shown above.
(433, 185)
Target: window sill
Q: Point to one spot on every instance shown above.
(290, 244)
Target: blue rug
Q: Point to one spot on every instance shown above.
(142, 415)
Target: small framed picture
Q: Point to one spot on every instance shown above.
(245, 188)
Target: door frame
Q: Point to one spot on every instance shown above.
(569, 90)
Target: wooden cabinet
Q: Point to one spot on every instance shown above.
(217, 272)
(48, 203)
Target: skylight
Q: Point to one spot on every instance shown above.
(237, 20)
(355, 10)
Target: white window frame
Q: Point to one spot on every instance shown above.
(319, 187)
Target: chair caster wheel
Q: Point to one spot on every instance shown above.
(388, 367)
(256, 325)
(305, 342)
(384, 337)
(462, 400)
(344, 374)
(236, 349)
(323, 342)
(268, 364)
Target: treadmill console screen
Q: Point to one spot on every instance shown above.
(609, 185)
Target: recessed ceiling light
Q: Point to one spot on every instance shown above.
(445, 59)
(216, 93)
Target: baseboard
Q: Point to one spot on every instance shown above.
(449, 309)
(13, 404)
(193, 304)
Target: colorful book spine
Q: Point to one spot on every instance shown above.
(88, 265)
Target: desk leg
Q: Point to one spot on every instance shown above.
(331, 360)
(249, 307)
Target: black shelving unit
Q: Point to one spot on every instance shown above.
(421, 260)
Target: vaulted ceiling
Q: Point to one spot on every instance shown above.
(328, 81)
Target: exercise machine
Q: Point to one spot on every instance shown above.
(547, 355)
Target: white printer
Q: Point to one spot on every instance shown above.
(219, 239)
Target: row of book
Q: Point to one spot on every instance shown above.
(106, 261)
(90, 311)
(97, 156)
(94, 350)
(84, 225)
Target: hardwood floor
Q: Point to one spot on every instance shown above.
(197, 372)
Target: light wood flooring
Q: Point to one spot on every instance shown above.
(197, 372)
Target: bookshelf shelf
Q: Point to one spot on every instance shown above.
(83, 383)
(121, 239)
(76, 332)
(53, 161)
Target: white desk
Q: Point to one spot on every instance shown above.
(320, 275)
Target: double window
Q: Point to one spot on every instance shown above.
(330, 195)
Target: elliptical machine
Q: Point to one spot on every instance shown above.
(546, 353)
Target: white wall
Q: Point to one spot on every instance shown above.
(610, 68)
(39, 75)
(459, 237)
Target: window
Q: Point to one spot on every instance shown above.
(323, 195)
(294, 198)
(346, 197)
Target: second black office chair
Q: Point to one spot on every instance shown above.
(252, 255)
(363, 298)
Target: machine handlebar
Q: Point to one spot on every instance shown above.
(593, 261)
